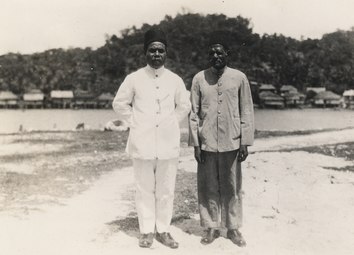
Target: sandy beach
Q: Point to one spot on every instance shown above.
(295, 202)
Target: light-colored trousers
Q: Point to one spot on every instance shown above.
(155, 185)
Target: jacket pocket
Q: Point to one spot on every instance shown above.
(236, 128)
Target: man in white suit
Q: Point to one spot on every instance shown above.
(153, 100)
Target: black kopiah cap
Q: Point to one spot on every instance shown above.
(220, 37)
(154, 35)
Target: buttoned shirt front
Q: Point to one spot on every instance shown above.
(153, 102)
(222, 116)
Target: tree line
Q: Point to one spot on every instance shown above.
(271, 59)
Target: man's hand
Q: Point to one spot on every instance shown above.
(242, 153)
(198, 154)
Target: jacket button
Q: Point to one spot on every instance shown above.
(220, 93)
(219, 112)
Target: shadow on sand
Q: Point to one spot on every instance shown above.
(130, 225)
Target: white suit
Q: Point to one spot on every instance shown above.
(153, 102)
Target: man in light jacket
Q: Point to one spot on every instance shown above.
(153, 100)
(221, 128)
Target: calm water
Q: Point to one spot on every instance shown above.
(286, 120)
(52, 119)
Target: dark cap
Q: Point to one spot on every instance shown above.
(154, 35)
(220, 37)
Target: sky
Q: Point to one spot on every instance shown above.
(29, 26)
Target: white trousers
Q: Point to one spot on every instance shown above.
(155, 185)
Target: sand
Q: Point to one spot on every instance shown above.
(293, 204)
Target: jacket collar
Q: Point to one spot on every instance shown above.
(218, 73)
(155, 72)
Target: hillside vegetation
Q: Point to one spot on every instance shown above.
(274, 59)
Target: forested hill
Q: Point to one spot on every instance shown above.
(274, 59)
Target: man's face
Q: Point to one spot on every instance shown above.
(217, 56)
(156, 54)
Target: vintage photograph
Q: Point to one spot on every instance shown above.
(176, 127)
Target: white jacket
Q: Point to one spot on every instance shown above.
(153, 102)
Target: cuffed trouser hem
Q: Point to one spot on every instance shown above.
(216, 225)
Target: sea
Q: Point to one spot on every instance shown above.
(17, 120)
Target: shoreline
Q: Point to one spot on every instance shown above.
(258, 133)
